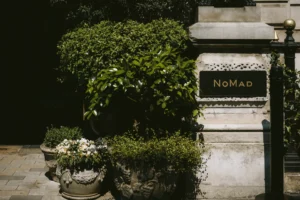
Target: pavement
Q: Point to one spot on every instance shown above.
(23, 175)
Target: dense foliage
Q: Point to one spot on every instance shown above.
(94, 11)
(176, 152)
(86, 50)
(158, 89)
(54, 136)
(81, 154)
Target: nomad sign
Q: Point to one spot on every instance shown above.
(233, 84)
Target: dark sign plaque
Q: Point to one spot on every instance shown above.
(233, 84)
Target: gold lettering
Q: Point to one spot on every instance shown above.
(249, 83)
(241, 84)
(225, 84)
(217, 83)
(233, 83)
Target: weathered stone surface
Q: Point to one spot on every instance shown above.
(295, 15)
(292, 182)
(231, 31)
(244, 14)
(242, 164)
(274, 12)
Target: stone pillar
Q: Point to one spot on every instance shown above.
(233, 68)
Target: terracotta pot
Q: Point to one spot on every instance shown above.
(50, 159)
(81, 185)
(144, 184)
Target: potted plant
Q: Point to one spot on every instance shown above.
(53, 137)
(158, 91)
(148, 169)
(82, 167)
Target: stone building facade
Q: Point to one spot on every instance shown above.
(237, 128)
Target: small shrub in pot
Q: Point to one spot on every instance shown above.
(53, 137)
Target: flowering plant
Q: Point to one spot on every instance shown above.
(81, 153)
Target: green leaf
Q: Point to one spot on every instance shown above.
(120, 71)
(195, 113)
(163, 105)
(103, 87)
(179, 93)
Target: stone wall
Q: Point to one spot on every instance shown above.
(237, 130)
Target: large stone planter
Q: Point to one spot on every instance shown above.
(50, 159)
(82, 185)
(144, 184)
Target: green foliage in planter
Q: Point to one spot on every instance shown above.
(86, 50)
(54, 136)
(93, 11)
(159, 89)
(175, 152)
(291, 107)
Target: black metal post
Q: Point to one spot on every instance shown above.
(277, 113)
(289, 56)
(277, 130)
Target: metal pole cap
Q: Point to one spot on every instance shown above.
(289, 24)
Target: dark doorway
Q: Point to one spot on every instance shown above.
(31, 97)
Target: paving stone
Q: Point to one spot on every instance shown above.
(40, 162)
(37, 192)
(14, 182)
(8, 187)
(13, 192)
(12, 177)
(52, 186)
(6, 173)
(21, 182)
(26, 151)
(27, 173)
(29, 197)
(3, 182)
(4, 165)
(38, 170)
(31, 186)
(33, 156)
(12, 167)
(27, 166)
(22, 162)
(34, 177)
(5, 197)
(51, 197)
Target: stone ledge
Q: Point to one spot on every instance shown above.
(231, 31)
(237, 127)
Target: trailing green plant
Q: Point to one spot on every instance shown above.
(85, 51)
(176, 152)
(291, 104)
(158, 89)
(54, 135)
(93, 11)
(81, 154)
